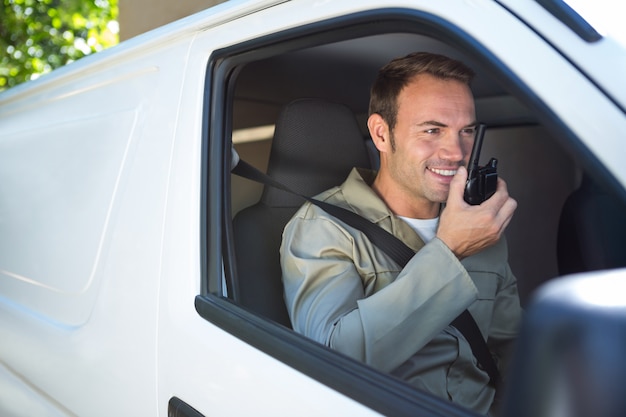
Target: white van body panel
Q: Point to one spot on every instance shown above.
(78, 273)
(597, 59)
(92, 331)
(100, 224)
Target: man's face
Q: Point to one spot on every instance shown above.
(433, 136)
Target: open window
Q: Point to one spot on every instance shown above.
(248, 85)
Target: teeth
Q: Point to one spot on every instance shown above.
(444, 172)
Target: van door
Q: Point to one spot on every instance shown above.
(219, 357)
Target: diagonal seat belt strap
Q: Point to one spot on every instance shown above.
(397, 250)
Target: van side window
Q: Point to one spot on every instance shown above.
(262, 79)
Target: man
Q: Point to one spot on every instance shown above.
(346, 293)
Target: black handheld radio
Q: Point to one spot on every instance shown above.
(481, 181)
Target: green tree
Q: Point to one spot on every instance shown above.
(37, 36)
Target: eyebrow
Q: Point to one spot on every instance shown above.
(433, 123)
(439, 124)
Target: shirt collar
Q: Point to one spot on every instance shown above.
(363, 200)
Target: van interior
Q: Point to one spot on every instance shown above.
(539, 166)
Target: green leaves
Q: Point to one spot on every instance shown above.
(37, 36)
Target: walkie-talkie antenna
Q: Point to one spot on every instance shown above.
(478, 143)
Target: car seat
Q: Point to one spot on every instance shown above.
(316, 144)
(592, 230)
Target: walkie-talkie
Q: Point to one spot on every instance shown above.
(481, 181)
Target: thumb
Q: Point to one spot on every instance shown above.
(457, 185)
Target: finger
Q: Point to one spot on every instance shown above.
(460, 176)
(500, 197)
(501, 185)
(457, 185)
(505, 214)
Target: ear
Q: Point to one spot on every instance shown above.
(379, 131)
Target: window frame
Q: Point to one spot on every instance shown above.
(374, 389)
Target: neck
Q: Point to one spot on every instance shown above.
(401, 203)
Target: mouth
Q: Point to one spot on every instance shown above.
(443, 172)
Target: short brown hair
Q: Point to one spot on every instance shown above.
(394, 76)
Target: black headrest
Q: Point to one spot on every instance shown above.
(316, 144)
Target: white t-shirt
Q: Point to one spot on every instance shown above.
(425, 228)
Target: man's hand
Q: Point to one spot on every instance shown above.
(468, 229)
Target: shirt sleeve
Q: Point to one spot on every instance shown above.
(505, 322)
(497, 310)
(326, 268)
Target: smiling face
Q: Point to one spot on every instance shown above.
(433, 136)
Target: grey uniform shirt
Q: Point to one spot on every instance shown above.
(344, 292)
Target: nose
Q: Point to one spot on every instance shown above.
(452, 149)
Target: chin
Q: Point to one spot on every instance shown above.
(439, 197)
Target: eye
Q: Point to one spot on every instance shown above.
(432, 131)
(469, 131)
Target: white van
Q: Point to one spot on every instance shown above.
(132, 278)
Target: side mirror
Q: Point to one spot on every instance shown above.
(571, 356)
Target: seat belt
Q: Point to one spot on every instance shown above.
(396, 249)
